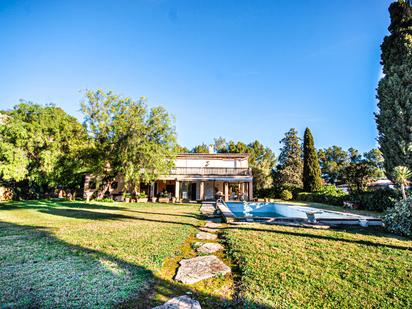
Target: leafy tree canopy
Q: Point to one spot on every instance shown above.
(129, 138)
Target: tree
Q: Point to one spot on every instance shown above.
(358, 175)
(311, 169)
(401, 174)
(394, 93)
(354, 155)
(202, 148)
(262, 160)
(375, 158)
(290, 169)
(129, 139)
(333, 161)
(220, 144)
(40, 148)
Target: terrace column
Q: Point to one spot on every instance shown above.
(250, 185)
(226, 185)
(152, 187)
(202, 190)
(177, 190)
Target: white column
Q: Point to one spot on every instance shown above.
(152, 187)
(226, 185)
(202, 190)
(250, 190)
(177, 190)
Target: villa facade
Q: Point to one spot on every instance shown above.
(197, 177)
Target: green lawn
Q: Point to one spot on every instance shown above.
(74, 254)
(293, 267)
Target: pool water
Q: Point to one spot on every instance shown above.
(276, 210)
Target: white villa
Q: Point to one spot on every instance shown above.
(197, 177)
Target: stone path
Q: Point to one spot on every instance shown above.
(201, 268)
(208, 230)
(212, 225)
(206, 236)
(180, 302)
(208, 247)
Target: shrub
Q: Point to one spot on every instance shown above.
(142, 195)
(105, 200)
(286, 195)
(328, 194)
(398, 219)
(377, 200)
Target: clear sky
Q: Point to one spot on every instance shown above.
(243, 70)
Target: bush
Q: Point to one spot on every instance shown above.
(105, 200)
(328, 194)
(286, 195)
(377, 200)
(398, 219)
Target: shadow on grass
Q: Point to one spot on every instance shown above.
(40, 270)
(53, 203)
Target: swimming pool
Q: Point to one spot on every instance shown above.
(278, 210)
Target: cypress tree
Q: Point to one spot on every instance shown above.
(290, 169)
(394, 93)
(311, 169)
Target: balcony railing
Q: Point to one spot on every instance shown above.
(218, 171)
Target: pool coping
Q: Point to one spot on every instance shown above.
(356, 219)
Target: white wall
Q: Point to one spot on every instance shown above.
(211, 163)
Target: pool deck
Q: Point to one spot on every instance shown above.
(353, 219)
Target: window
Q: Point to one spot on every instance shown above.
(115, 185)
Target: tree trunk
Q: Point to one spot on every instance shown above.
(106, 187)
(403, 191)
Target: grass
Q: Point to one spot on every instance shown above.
(282, 267)
(73, 254)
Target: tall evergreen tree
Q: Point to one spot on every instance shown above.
(311, 169)
(290, 169)
(394, 116)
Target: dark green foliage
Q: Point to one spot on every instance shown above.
(377, 200)
(358, 176)
(311, 169)
(328, 194)
(394, 93)
(398, 219)
(41, 150)
(333, 160)
(290, 169)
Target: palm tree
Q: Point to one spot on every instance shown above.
(401, 174)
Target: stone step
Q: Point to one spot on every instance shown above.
(200, 268)
(180, 302)
(208, 247)
(208, 230)
(212, 225)
(206, 236)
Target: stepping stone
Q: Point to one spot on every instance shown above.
(200, 268)
(212, 225)
(206, 236)
(181, 302)
(209, 248)
(209, 230)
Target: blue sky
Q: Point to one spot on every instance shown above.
(243, 70)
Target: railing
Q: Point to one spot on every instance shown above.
(221, 171)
